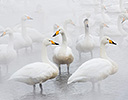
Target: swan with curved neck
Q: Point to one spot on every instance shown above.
(38, 72)
(7, 52)
(96, 69)
(62, 54)
(85, 44)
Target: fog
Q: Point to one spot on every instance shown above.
(45, 14)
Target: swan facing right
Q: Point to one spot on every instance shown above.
(96, 69)
(38, 72)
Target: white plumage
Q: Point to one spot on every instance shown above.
(7, 52)
(95, 69)
(63, 54)
(85, 44)
(37, 72)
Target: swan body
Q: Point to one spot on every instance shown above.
(37, 72)
(63, 54)
(85, 44)
(34, 34)
(96, 69)
(7, 52)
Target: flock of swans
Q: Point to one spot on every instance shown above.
(93, 70)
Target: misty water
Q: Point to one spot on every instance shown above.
(45, 14)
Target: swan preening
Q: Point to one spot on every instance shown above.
(38, 72)
(96, 69)
(85, 44)
(62, 54)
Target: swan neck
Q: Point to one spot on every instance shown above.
(86, 30)
(44, 54)
(120, 4)
(101, 32)
(23, 28)
(64, 40)
(103, 51)
(10, 43)
(65, 25)
(45, 57)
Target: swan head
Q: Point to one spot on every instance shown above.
(49, 42)
(55, 26)
(70, 21)
(60, 30)
(102, 25)
(86, 22)
(26, 17)
(106, 40)
(124, 19)
(8, 30)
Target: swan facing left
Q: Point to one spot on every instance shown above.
(38, 72)
(63, 54)
(7, 52)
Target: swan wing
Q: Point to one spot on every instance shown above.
(33, 73)
(92, 70)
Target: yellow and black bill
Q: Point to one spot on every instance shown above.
(111, 42)
(57, 32)
(3, 34)
(30, 18)
(123, 20)
(54, 43)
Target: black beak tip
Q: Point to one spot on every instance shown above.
(114, 43)
(54, 35)
(57, 43)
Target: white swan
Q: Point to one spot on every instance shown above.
(22, 40)
(7, 52)
(85, 44)
(63, 54)
(34, 34)
(95, 69)
(38, 72)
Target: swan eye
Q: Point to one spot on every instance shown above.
(107, 39)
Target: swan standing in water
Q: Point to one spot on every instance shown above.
(38, 72)
(95, 69)
(85, 44)
(62, 54)
(7, 52)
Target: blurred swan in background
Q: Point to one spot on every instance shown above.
(96, 69)
(7, 52)
(85, 44)
(117, 8)
(22, 40)
(38, 72)
(63, 54)
(34, 34)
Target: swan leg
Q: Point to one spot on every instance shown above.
(93, 86)
(91, 54)
(34, 88)
(68, 68)
(6, 68)
(59, 70)
(41, 89)
(0, 75)
(79, 55)
(99, 86)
